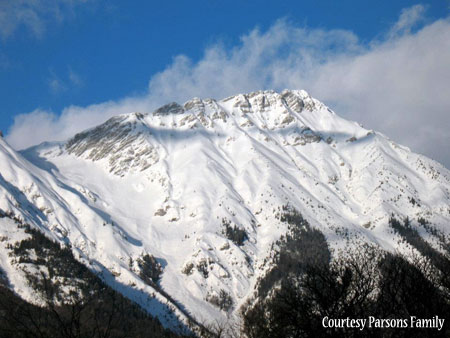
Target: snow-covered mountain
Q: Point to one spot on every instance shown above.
(197, 189)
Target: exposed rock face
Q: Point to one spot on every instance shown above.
(122, 141)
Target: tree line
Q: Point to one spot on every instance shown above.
(306, 285)
(77, 303)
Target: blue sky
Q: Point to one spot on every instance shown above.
(70, 64)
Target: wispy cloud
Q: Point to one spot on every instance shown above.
(33, 14)
(398, 84)
(55, 84)
(409, 18)
(58, 84)
(74, 78)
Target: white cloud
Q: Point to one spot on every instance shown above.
(33, 14)
(398, 85)
(409, 17)
(38, 126)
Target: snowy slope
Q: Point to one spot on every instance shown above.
(165, 183)
(34, 196)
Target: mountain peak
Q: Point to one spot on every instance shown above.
(131, 142)
(170, 108)
(258, 101)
